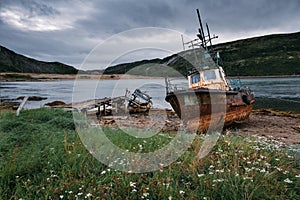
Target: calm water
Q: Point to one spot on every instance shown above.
(277, 93)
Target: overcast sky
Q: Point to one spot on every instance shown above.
(68, 30)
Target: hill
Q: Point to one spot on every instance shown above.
(13, 62)
(260, 56)
(267, 55)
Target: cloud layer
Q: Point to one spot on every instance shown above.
(67, 30)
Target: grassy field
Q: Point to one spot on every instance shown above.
(42, 157)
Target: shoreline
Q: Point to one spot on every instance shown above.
(279, 125)
(35, 77)
(32, 77)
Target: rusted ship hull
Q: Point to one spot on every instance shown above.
(202, 109)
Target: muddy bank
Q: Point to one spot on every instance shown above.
(163, 120)
(280, 126)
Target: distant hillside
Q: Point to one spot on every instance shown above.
(267, 55)
(13, 62)
(260, 56)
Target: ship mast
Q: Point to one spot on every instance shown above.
(201, 35)
(205, 39)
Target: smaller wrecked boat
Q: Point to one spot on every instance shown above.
(140, 102)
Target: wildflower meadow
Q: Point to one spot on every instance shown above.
(42, 157)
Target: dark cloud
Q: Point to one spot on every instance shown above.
(66, 30)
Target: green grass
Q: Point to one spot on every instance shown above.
(42, 157)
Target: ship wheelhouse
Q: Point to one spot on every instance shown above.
(210, 78)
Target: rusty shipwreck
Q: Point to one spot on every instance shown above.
(209, 97)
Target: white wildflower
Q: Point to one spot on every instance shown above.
(278, 168)
(247, 169)
(132, 184)
(288, 181)
(200, 175)
(297, 176)
(263, 170)
(181, 192)
(220, 171)
(134, 190)
(89, 195)
(145, 194)
(218, 180)
(167, 185)
(103, 172)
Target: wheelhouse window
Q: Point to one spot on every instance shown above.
(195, 78)
(209, 75)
